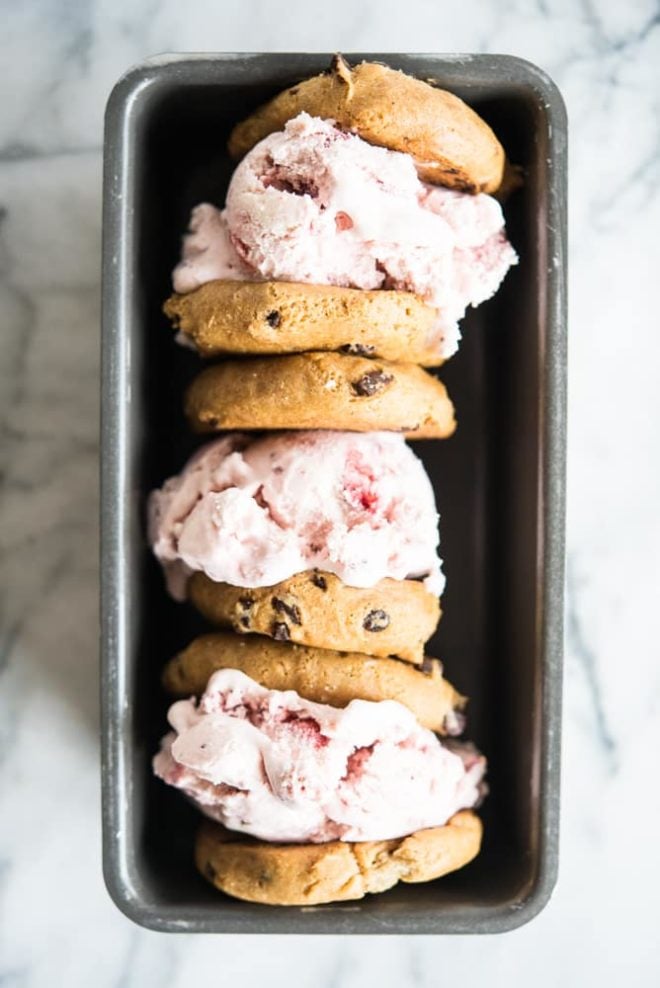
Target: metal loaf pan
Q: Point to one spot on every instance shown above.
(499, 485)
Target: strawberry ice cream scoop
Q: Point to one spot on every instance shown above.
(314, 204)
(281, 768)
(252, 512)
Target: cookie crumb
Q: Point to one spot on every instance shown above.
(273, 318)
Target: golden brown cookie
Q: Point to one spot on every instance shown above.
(392, 618)
(310, 874)
(320, 391)
(320, 675)
(450, 143)
(252, 317)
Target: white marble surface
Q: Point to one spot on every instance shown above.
(58, 925)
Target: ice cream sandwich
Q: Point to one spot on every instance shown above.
(290, 771)
(314, 205)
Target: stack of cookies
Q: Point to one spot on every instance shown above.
(311, 731)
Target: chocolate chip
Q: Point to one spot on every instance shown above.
(376, 621)
(290, 610)
(371, 383)
(273, 318)
(319, 581)
(245, 621)
(209, 871)
(212, 422)
(280, 631)
(358, 349)
(246, 602)
(293, 91)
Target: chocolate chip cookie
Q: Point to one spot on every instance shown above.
(320, 391)
(394, 617)
(310, 874)
(252, 317)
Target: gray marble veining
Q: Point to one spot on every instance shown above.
(58, 925)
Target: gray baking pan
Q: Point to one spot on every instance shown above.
(499, 485)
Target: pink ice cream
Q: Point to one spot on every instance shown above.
(314, 204)
(208, 253)
(252, 512)
(271, 764)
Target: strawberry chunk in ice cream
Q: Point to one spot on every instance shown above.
(314, 204)
(252, 512)
(281, 768)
